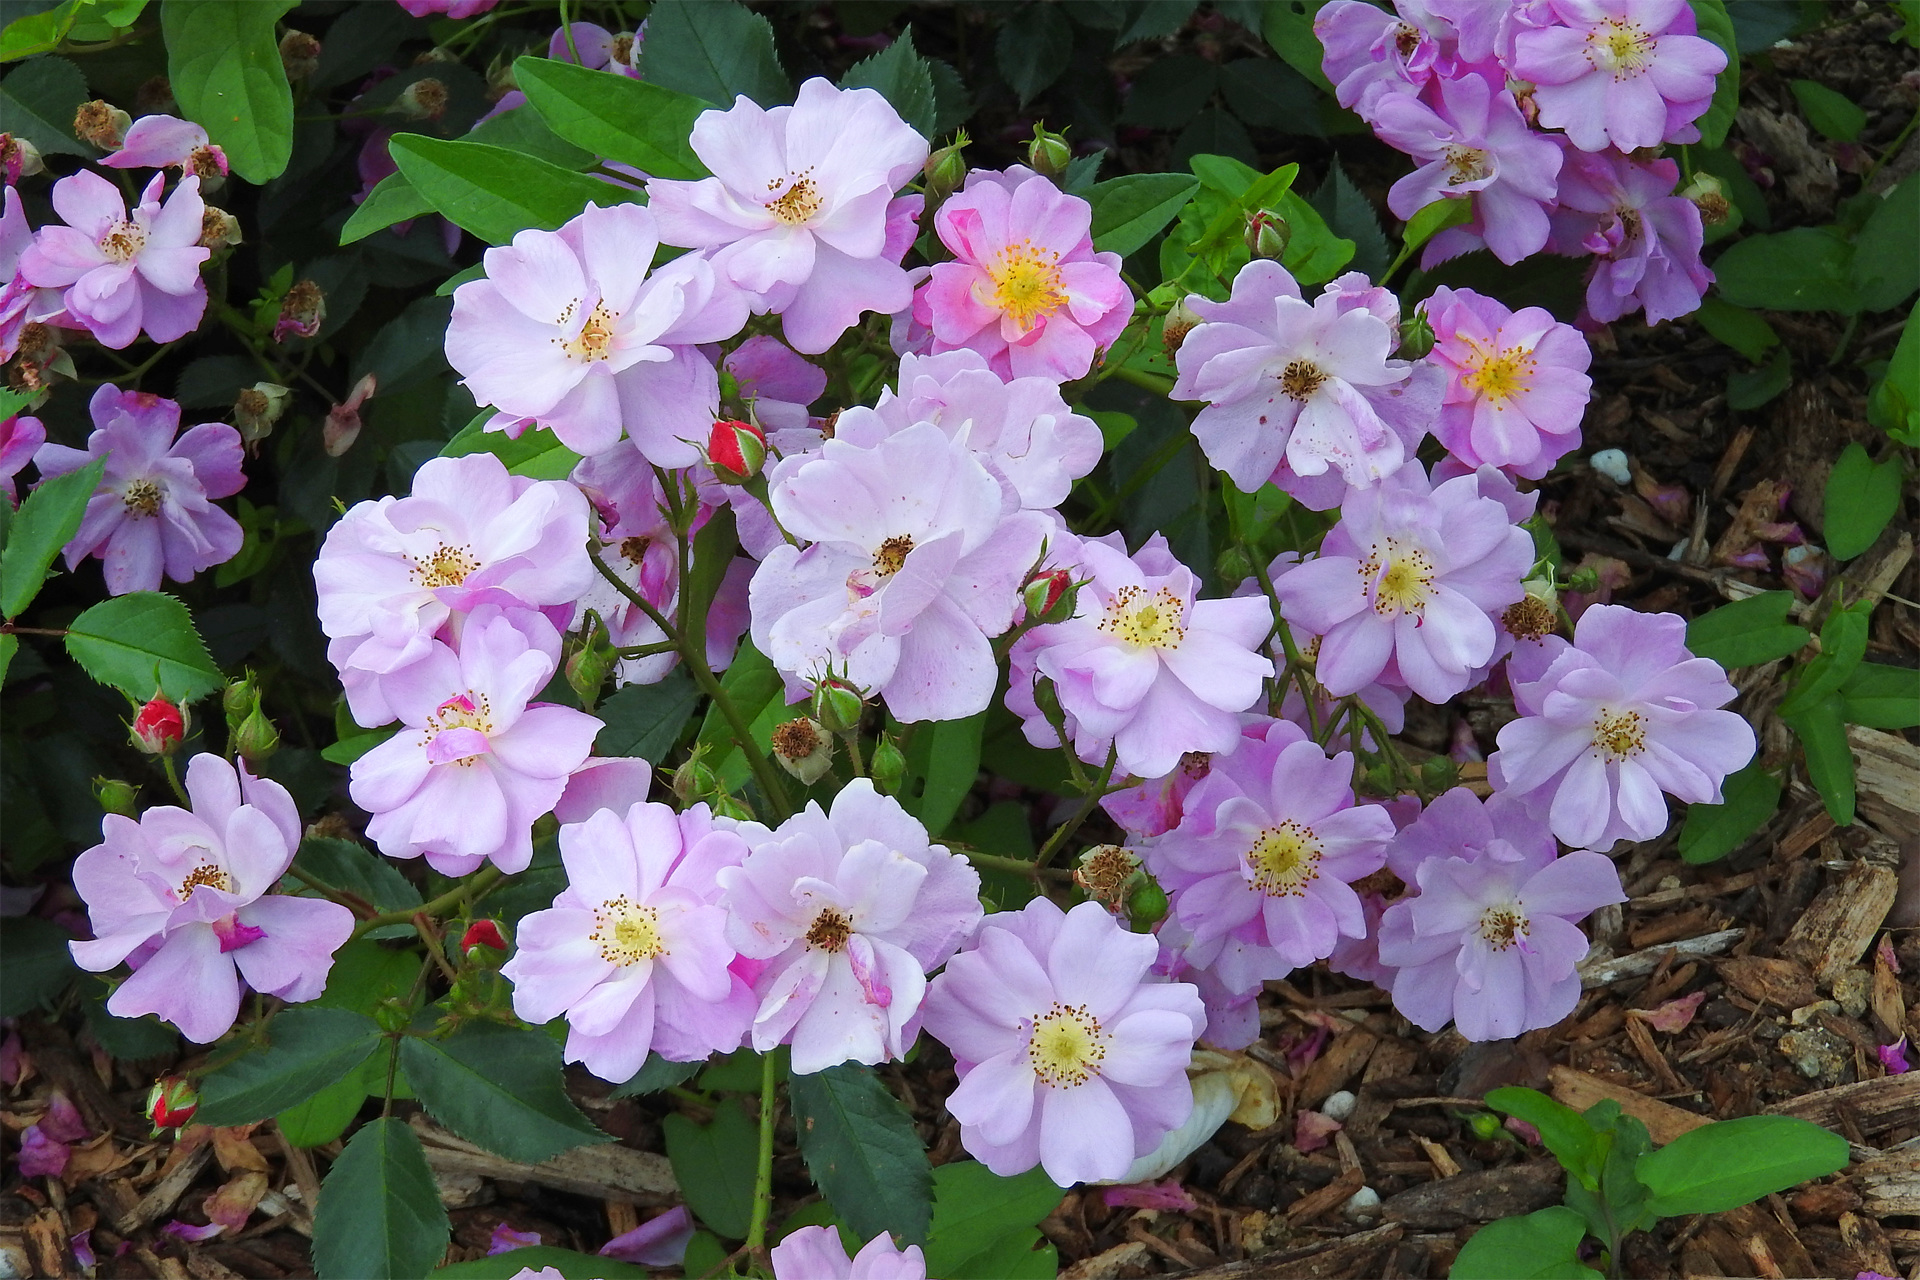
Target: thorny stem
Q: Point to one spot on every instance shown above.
(482, 880)
(763, 1169)
(422, 926)
(1065, 830)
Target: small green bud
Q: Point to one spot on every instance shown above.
(589, 663)
(1416, 337)
(1146, 905)
(1267, 234)
(239, 700)
(116, 796)
(1048, 153)
(393, 1015)
(725, 806)
(888, 766)
(1234, 565)
(694, 780)
(256, 738)
(837, 705)
(1485, 1125)
(946, 169)
(1048, 701)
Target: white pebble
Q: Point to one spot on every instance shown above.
(1363, 1203)
(1338, 1106)
(1612, 463)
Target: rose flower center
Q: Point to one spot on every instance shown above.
(627, 933)
(1620, 47)
(891, 555)
(122, 241)
(1301, 378)
(1619, 735)
(1502, 927)
(446, 567)
(830, 930)
(142, 498)
(1401, 578)
(1067, 1046)
(798, 204)
(1285, 860)
(1149, 621)
(209, 875)
(1467, 164)
(1500, 376)
(594, 342)
(1026, 283)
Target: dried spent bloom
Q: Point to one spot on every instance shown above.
(1516, 382)
(299, 54)
(813, 1253)
(1072, 1054)
(123, 272)
(1621, 715)
(101, 124)
(1624, 74)
(801, 747)
(302, 312)
(850, 909)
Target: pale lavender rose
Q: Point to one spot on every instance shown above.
(1621, 715)
(475, 761)
(1648, 239)
(634, 951)
(1143, 667)
(1517, 382)
(1267, 852)
(1405, 583)
(396, 574)
(183, 897)
(779, 385)
(800, 209)
(851, 909)
(816, 1253)
(1233, 1016)
(916, 563)
(599, 48)
(1624, 74)
(123, 272)
(1369, 53)
(151, 513)
(1300, 392)
(21, 303)
(1490, 940)
(1072, 1054)
(568, 329)
(1156, 806)
(1026, 289)
(20, 437)
(164, 142)
(1475, 144)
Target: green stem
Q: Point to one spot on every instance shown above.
(482, 880)
(1064, 832)
(1013, 866)
(1153, 382)
(173, 779)
(763, 1168)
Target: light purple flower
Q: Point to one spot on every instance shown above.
(151, 513)
(1156, 806)
(660, 1241)
(599, 48)
(397, 573)
(46, 1145)
(634, 951)
(798, 210)
(1490, 939)
(164, 142)
(1370, 53)
(778, 384)
(123, 272)
(20, 302)
(20, 437)
(505, 1239)
(916, 563)
(568, 329)
(851, 909)
(815, 1253)
(182, 896)
(1297, 390)
(1072, 1054)
(1516, 382)
(1648, 239)
(1622, 715)
(1143, 667)
(1476, 145)
(1624, 74)
(475, 761)
(1405, 583)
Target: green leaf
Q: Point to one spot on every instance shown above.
(1882, 697)
(901, 76)
(626, 120)
(349, 749)
(1745, 331)
(1712, 831)
(308, 1049)
(862, 1150)
(1886, 257)
(393, 199)
(346, 864)
(1269, 93)
(1747, 632)
(714, 1165)
(144, 643)
(983, 1222)
(501, 1088)
(223, 62)
(656, 1074)
(1894, 406)
(379, 1211)
(1749, 389)
(1131, 210)
(38, 965)
(1822, 731)
(1564, 1131)
(1288, 28)
(1314, 253)
(1542, 1245)
(1033, 48)
(1805, 269)
(752, 684)
(38, 33)
(1861, 498)
(1833, 114)
(1430, 220)
(1734, 1162)
(1715, 25)
(1843, 642)
(38, 101)
(45, 523)
(1349, 215)
(574, 1266)
(326, 1115)
(713, 50)
(645, 720)
(494, 192)
(1170, 91)
(948, 761)
(536, 453)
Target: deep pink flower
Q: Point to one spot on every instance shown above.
(1405, 582)
(20, 302)
(475, 761)
(1156, 806)
(1026, 289)
(1072, 1054)
(20, 437)
(1624, 74)
(800, 209)
(634, 951)
(1893, 1057)
(1648, 239)
(151, 513)
(851, 909)
(1370, 53)
(123, 272)
(1516, 382)
(814, 1253)
(183, 896)
(1623, 714)
(164, 142)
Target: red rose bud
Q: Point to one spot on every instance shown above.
(171, 1104)
(159, 727)
(1267, 234)
(736, 451)
(1049, 596)
(482, 933)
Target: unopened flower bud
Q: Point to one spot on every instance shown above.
(1267, 234)
(837, 705)
(102, 125)
(159, 727)
(218, 229)
(1485, 1125)
(1710, 194)
(1416, 337)
(946, 169)
(1439, 773)
(302, 311)
(1048, 701)
(1180, 321)
(1146, 905)
(736, 451)
(803, 748)
(299, 54)
(171, 1104)
(19, 158)
(588, 665)
(1233, 565)
(116, 796)
(424, 99)
(392, 1015)
(1048, 153)
(1050, 596)
(240, 699)
(695, 781)
(888, 766)
(257, 408)
(257, 738)
(484, 934)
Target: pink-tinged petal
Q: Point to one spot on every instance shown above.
(188, 982)
(1150, 1049)
(996, 1096)
(1085, 1134)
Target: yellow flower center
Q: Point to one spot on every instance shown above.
(1499, 376)
(1301, 378)
(142, 498)
(1620, 47)
(830, 930)
(209, 875)
(1026, 283)
(1067, 1046)
(627, 933)
(122, 241)
(462, 711)
(1502, 927)
(446, 567)
(1619, 735)
(594, 342)
(1466, 164)
(1285, 860)
(1150, 621)
(798, 203)
(1401, 577)
(891, 555)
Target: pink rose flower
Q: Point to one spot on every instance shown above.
(1517, 382)
(20, 437)
(813, 1253)
(21, 303)
(1647, 239)
(164, 142)
(123, 272)
(1624, 74)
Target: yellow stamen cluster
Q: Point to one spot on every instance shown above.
(1026, 283)
(1502, 927)
(123, 241)
(627, 933)
(1068, 1046)
(1301, 378)
(831, 930)
(462, 711)
(209, 875)
(1619, 735)
(1285, 860)
(446, 567)
(1400, 576)
(797, 203)
(1466, 164)
(891, 555)
(1621, 48)
(142, 498)
(594, 341)
(1150, 621)
(1499, 376)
